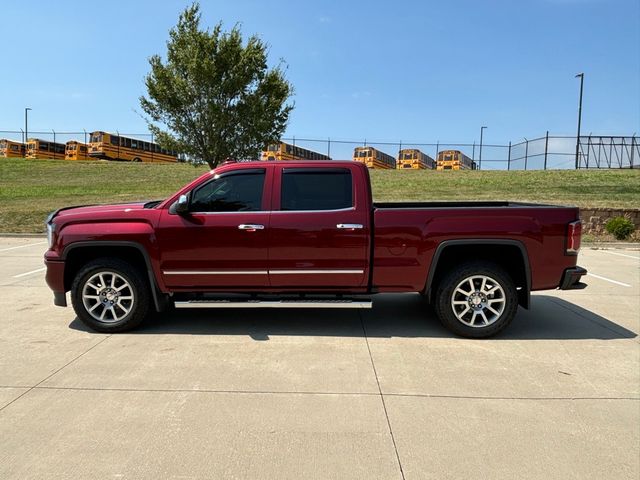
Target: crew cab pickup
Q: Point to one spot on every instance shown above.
(307, 234)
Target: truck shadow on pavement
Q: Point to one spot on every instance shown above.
(393, 315)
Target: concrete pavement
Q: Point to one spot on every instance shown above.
(386, 393)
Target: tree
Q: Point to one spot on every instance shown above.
(216, 97)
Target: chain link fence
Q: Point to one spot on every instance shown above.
(543, 153)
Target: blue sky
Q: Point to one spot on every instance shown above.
(415, 71)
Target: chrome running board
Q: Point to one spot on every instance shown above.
(275, 304)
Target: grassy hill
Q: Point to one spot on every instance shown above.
(30, 189)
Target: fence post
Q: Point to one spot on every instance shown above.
(509, 158)
(24, 140)
(526, 153)
(151, 147)
(118, 134)
(546, 148)
(399, 147)
(329, 147)
(473, 152)
(633, 142)
(588, 149)
(54, 135)
(610, 151)
(437, 148)
(365, 143)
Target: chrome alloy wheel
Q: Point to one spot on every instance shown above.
(108, 297)
(478, 301)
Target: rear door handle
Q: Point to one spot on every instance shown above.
(251, 227)
(349, 226)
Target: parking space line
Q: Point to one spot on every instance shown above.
(619, 254)
(22, 246)
(608, 280)
(29, 273)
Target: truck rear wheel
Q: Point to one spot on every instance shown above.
(476, 300)
(110, 295)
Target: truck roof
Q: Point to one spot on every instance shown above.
(297, 163)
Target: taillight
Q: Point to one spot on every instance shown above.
(574, 234)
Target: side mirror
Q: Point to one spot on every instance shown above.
(181, 207)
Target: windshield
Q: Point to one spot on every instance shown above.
(96, 137)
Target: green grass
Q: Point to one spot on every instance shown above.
(30, 189)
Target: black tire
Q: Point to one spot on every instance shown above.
(137, 160)
(124, 272)
(481, 328)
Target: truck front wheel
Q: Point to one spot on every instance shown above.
(110, 295)
(476, 300)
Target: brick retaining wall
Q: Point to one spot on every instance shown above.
(594, 219)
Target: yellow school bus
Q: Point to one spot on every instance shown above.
(76, 151)
(374, 158)
(284, 151)
(415, 159)
(454, 160)
(37, 148)
(9, 148)
(108, 146)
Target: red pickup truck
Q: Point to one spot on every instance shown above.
(307, 234)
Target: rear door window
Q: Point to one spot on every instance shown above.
(316, 189)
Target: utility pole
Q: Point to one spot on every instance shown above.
(480, 156)
(581, 75)
(26, 124)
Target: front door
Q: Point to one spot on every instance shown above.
(222, 242)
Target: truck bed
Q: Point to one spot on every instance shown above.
(465, 204)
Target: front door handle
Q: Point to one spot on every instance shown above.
(251, 227)
(349, 226)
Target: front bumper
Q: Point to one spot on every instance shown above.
(571, 279)
(55, 278)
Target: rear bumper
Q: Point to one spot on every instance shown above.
(571, 279)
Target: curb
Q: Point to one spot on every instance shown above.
(23, 235)
(603, 245)
(591, 245)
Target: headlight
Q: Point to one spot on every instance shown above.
(51, 227)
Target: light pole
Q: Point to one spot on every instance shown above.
(26, 124)
(480, 155)
(581, 75)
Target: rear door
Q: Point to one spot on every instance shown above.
(319, 229)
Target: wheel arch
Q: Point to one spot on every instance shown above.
(511, 255)
(77, 254)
